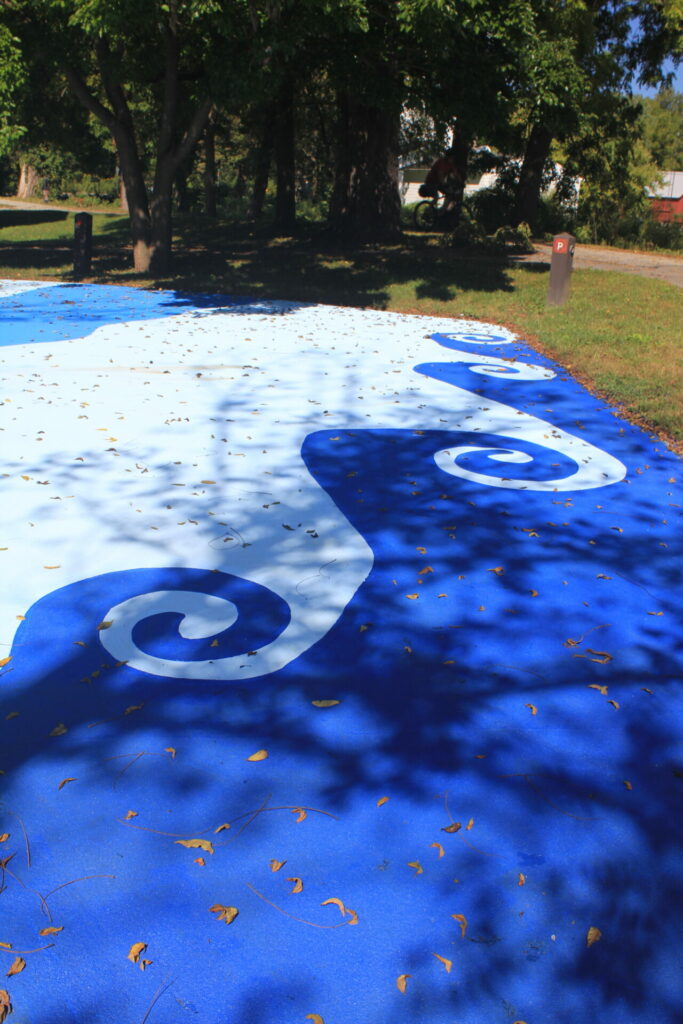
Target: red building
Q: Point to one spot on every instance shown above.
(667, 197)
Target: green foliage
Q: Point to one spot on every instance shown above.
(12, 80)
(662, 127)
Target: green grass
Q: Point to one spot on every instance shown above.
(620, 334)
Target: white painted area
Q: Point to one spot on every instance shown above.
(177, 443)
(8, 288)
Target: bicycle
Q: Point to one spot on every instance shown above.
(432, 215)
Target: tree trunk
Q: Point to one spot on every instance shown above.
(28, 181)
(263, 156)
(285, 203)
(366, 203)
(210, 170)
(531, 175)
(137, 202)
(161, 214)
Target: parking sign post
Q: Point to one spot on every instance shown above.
(560, 269)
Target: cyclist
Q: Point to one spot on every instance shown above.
(444, 177)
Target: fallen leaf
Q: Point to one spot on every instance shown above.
(455, 827)
(423, 551)
(298, 885)
(534, 593)
(195, 844)
(275, 865)
(59, 730)
(325, 703)
(600, 689)
(105, 625)
(132, 708)
(222, 828)
(260, 755)
(469, 825)
(594, 935)
(447, 963)
(52, 930)
(135, 950)
(227, 914)
(646, 689)
(17, 967)
(602, 657)
(11, 715)
(64, 782)
(4, 837)
(521, 879)
(401, 981)
(5, 945)
(382, 800)
(601, 576)
(144, 964)
(419, 870)
(628, 784)
(130, 814)
(5, 661)
(571, 643)
(200, 861)
(315, 1017)
(532, 708)
(300, 813)
(440, 848)
(614, 704)
(337, 902)
(424, 571)
(5, 1004)
(412, 597)
(499, 570)
(353, 916)
(462, 921)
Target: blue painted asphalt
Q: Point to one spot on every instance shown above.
(427, 526)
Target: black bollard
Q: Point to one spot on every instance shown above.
(82, 245)
(560, 269)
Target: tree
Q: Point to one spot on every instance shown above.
(662, 127)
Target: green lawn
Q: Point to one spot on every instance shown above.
(621, 334)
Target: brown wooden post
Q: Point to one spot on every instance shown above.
(82, 245)
(560, 269)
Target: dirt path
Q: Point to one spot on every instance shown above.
(595, 257)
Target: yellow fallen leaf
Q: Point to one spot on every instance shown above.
(5, 661)
(5, 1005)
(419, 870)
(521, 879)
(499, 570)
(130, 814)
(325, 703)
(52, 567)
(426, 569)
(227, 914)
(594, 935)
(353, 916)
(195, 844)
(222, 828)
(64, 782)
(440, 848)
(300, 813)
(614, 704)
(402, 981)
(469, 825)
(260, 755)
(59, 730)
(106, 624)
(382, 800)
(337, 902)
(534, 593)
(600, 689)
(532, 708)
(298, 885)
(144, 964)
(4, 837)
(455, 827)
(423, 551)
(275, 865)
(132, 708)
(447, 963)
(17, 967)
(601, 657)
(412, 597)
(52, 930)
(315, 1017)
(200, 861)
(135, 950)
(462, 921)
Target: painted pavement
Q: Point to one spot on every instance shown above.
(366, 627)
